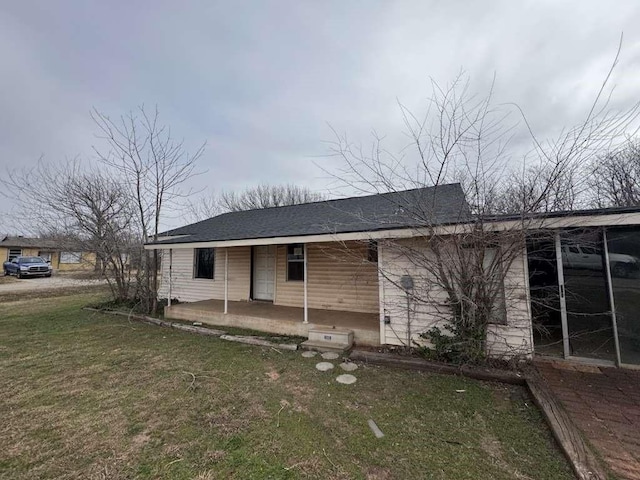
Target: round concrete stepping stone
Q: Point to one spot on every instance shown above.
(346, 379)
(309, 354)
(330, 355)
(348, 366)
(324, 366)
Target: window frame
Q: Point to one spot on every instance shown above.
(65, 261)
(299, 260)
(11, 256)
(196, 264)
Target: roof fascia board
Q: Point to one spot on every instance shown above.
(334, 237)
(618, 219)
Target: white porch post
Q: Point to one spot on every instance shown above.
(226, 279)
(170, 269)
(306, 309)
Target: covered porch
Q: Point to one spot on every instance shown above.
(278, 319)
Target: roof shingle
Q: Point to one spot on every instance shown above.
(423, 206)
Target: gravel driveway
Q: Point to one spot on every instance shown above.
(43, 283)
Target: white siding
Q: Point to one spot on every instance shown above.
(188, 289)
(508, 340)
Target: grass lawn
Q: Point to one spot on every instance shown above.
(86, 395)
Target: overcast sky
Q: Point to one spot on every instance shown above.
(260, 81)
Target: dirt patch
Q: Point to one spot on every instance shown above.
(376, 473)
(273, 375)
(140, 440)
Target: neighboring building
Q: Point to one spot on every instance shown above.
(61, 259)
(340, 267)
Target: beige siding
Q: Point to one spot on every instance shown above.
(413, 318)
(339, 278)
(186, 288)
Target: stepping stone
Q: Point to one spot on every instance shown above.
(346, 379)
(348, 366)
(324, 366)
(330, 355)
(309, 354)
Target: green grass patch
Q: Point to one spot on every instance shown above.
(89, 395)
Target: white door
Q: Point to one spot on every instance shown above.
(264, 269)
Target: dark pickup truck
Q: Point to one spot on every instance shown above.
(27, 267)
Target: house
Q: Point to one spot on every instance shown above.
(61, 259)
(342, 269)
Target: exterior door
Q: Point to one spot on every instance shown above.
(264, 270)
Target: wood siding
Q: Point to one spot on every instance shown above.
(409, 320)
(339, 278)
(186, 288)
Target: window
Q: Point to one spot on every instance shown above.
(295, 262)
(203, 266)
(14, 252)
(46, 256)
(70, 257)
(493, 268)
(372, 251)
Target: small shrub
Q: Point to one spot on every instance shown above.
(452, 347)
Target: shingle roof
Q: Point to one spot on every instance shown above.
(423, 206)
(26, 242)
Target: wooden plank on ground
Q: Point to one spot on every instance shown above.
(582, 459)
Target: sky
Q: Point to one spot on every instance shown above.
(264, 82)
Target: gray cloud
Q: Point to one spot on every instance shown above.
(260, 81)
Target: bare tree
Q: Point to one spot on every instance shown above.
(615, 177)
(264, 196)
(454, 283)
(155, 167)
(202, 207)
(83, 209)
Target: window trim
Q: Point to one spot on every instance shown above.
(195, 264)
(11, 256)
(295, 260)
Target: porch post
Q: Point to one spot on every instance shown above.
(306, 309)
(612, 302)
(563, 301)
(170, 268)
(226, 279)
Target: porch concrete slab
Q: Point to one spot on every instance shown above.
(278, 319)
(604, 403)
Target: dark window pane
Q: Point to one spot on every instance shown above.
(204, 263)
(295, 271)
(624, 262)
(372, 251)
(589, 325)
